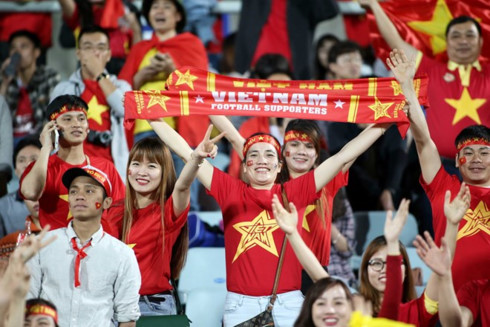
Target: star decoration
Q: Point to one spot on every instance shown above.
(380, 109)
(199, 99)
(185, 78)
(339, 104)
(132, 245)
(64, 197)
(95, 110)
(257, 232)
(158, 99)
(477, 220)
(397, 89)
(309, 209)
(466, 107)
(436, 27)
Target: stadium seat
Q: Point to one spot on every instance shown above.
(205, 306)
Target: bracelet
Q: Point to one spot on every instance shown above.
(199, 164)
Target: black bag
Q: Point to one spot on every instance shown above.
(265, 319)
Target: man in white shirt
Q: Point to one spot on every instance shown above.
(90, 276)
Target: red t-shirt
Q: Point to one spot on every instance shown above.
(274, 37)
(445, 85)
(315, 232)
(53, 204)
(253, 239)
(471, 259)
(475, 295)
(24, 116)
(146, 240)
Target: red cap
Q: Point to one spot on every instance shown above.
(90, 171)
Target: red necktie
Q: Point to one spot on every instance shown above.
(80, 256)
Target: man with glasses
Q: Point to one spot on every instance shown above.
(104, 95)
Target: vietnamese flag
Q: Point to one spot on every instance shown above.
(422, 23)
(191, 91)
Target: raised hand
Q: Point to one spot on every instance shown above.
(286, 220)
(438, 259)
(207, 148)
(401, 66)
(393, 227)
(456, 209)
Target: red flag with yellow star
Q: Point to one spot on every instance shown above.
(191, 91)
(422, 23)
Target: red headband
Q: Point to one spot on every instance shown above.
(296, 136)
(472, 141)
(41, 309)
(261, 138)
(65, 109)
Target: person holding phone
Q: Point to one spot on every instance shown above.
(68, 116)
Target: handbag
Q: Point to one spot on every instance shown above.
(178, 320)
(265, 319)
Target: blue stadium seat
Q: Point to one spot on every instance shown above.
(205, 306)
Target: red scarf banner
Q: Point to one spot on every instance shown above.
(191, 91)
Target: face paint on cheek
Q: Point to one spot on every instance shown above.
(462, 161)
(98, 205)
(287, 154)
(250, 163)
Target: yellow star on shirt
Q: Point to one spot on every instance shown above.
(158, 99)
(466, 107)
(185, 78)
(380, 109)
(436, 27)
(477, 220)
(257, 232)
(309, 209)
(132, 245)
(64, 197)
(95, 110)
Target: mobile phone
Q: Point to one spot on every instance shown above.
(11, 68)
(56, 140)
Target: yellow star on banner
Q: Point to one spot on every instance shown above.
(64, 197)
(185, 78)
(466, 107)
(158, 99)
(477, 220)
(397, 89)
(257, 232)
(436, 27)
(95, 110)
(380, 109)
(132, 245)
(309, 209)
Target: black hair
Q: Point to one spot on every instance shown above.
(473, 131)
(27, 34)
(40, 301)
(146, 6)
(271, 63)
(343, 47)
(29, 140)
(320, 71)
(461, 20)
(90, 30)
(71, 101)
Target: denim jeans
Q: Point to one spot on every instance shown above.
(239, 308)
(165, 306)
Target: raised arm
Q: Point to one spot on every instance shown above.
(288, 222)
(177, 143)
(429, 159)
(232, 135)
(67, 7)
(330, 167)
(33, 183)
(181, 192)
(387, 29)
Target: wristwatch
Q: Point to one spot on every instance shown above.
(101, 76)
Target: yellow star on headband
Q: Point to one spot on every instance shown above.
(95, 110)
(466, 107)
(380, 109)
(257, 232)
(158, 99)
(436, 27)
(64, 197)
(185, 78)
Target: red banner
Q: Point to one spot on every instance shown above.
(191, 91)
(422, 23)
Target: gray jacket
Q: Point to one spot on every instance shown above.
(119, 145)
(6, 137)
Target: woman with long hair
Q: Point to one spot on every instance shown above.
(152, 219)
(252, 238)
